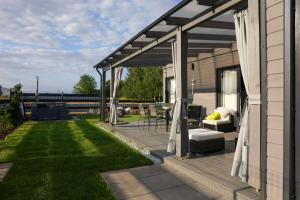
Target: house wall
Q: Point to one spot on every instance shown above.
(275, 84)
(204, 74)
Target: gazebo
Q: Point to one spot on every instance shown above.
(189, 29)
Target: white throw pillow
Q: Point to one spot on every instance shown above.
(224, 112)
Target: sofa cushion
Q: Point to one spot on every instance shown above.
(224, 112)
(204, 134)
(218, 122)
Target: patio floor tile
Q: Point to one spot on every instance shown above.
(152, 183)
(180, 193)
(145, 197)
(161, 182)
(147, 171)
(124, 184)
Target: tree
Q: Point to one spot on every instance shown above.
(86, 85)
(143, 83)
(15, 101)
(1, 90)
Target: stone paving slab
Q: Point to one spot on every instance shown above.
(4, 168)
(152, 183)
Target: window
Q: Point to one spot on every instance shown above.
(170, 93)
(230, 88)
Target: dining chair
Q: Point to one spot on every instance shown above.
(156, 114)
(143, 115)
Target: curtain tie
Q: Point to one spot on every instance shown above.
(184, 100)
(113, 100)
(183, 109)
(254, 99)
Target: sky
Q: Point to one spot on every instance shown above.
(59, 40)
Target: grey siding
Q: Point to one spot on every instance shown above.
(275, 82)
(204, 74)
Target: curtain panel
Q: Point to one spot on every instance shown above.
(113, 103)
(240, 163)
(246, 162)
(175, 112)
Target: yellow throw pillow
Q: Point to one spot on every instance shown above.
(213, 116)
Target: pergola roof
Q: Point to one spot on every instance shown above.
(209, 24)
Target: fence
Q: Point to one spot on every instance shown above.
(75, 103)
(47, 97)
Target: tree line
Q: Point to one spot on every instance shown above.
(139, 84)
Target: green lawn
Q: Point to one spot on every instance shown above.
(62, 160)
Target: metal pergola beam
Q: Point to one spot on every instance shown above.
(195, 36)
(146, 63)
(179, 21)
(190, 44)
(166, 15)
(158, 55)
(207, 2)
(168, 51)
(146, 48)
(216, 11)
(103, 96)
(210, 45)
(182, 138)
(201, 18)
(154, 57)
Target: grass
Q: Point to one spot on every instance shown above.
(62, 159)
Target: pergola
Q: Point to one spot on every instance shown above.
(197, 26)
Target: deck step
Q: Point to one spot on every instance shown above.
(226, 189)
(210, 173)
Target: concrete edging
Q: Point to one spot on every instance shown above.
(136, 146)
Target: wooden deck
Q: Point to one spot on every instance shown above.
(211, 170)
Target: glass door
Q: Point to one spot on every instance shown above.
(228, 88)
(231, 91)
(170, 90)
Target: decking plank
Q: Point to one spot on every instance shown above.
(213, 169)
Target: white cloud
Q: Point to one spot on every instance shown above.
(63, 39)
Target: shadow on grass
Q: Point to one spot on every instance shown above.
(117, 154)
(49, 163)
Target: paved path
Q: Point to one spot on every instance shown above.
(155, 182)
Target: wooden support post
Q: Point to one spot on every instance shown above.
(182, 138)
(103, 96)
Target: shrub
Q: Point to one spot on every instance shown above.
(10, 114)
(6, 122)
(14, 111)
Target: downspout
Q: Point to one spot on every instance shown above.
(100, 92)
(264, 100)
(289, 101)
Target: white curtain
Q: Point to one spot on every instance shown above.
(172, 90)
(240, 163)
(175, 108)
(113, 106)
(229, 89)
